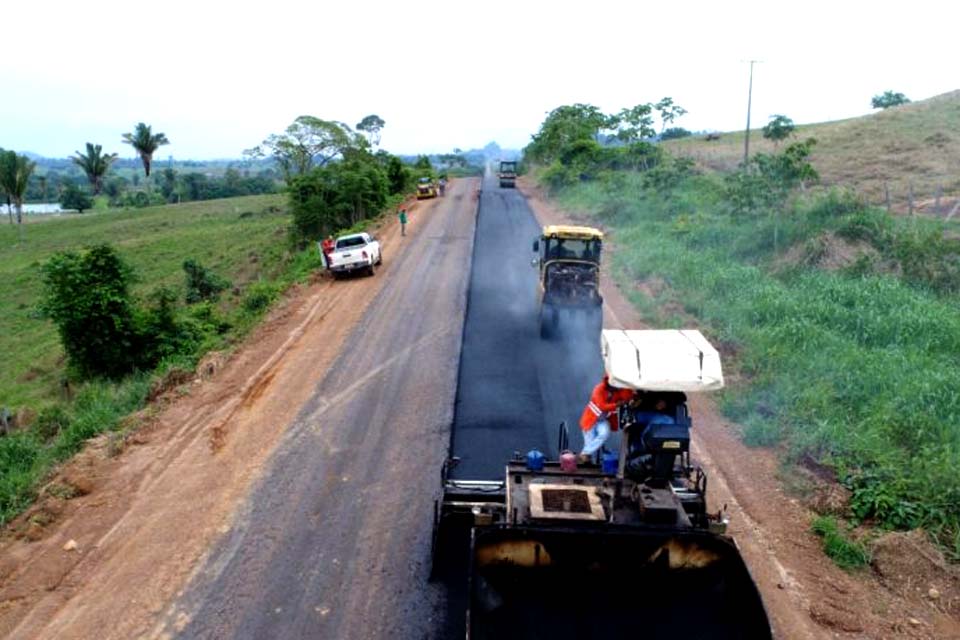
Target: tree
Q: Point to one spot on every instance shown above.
(779, 128)
(15, 172)
(633, 124)
(371, 126)
(668, 112)
(306, 143)
(888, 99)
(74, 198)
(563, 126)
(397, 175)
(674, 133)
(337, 195)
(145, 142)
(95, 164)
(8, 168)
(423, 165)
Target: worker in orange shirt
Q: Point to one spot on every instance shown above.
(327, 247)
(600, 416)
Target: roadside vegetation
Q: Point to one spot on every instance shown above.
(124, 316)
(905, 146)
(840, 321)
(100, 313)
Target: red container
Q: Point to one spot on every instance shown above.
(568, 461)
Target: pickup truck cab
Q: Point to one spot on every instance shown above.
(355, 252)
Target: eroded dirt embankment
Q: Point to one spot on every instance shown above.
(909, 593)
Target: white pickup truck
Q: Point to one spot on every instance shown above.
(355, 252)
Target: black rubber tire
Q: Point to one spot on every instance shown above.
(380, 257)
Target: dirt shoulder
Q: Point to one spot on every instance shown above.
(910, 593)
(105, 562)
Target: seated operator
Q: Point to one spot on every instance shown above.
(652, 409)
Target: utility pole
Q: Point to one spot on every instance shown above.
(746, 138)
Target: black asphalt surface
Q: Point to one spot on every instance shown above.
(334, 540)
(514, 389)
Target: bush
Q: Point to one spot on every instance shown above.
(259, 296)
(75, 198)
(87, 296)
(202, 284)
(51, 421)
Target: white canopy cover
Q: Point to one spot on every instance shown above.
(661, 360)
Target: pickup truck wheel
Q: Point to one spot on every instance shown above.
(370, 269)
(380, 257)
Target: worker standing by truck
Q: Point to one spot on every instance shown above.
(326, 247)
(600, 416)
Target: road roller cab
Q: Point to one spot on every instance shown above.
(426, 188)
(568, 258)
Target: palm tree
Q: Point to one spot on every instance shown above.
(14, 177)
(8, 165)
(95, 164)
(145, 142)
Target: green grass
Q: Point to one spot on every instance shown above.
(855, 367)
(915, 144)
(243, 239)
(846, 553)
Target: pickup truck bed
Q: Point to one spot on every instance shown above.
(355, 252)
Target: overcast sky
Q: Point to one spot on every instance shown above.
(219, 77)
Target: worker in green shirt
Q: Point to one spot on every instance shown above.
(403, 221)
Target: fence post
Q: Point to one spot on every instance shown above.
(939, 194)
(886, 193)
(910, 198)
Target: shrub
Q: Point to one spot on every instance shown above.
(202, 284)
(51, 421)
(259, 296)
(161, 333)
(87, 296)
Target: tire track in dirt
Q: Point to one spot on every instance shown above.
(157, 506)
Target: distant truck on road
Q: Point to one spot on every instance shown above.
(508, 174)
(355, 252)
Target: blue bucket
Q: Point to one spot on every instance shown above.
(609, 461)
(535, 460)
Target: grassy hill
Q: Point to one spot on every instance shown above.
(918, 144)
(242, 239)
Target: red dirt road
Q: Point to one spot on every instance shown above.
(155, 509)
